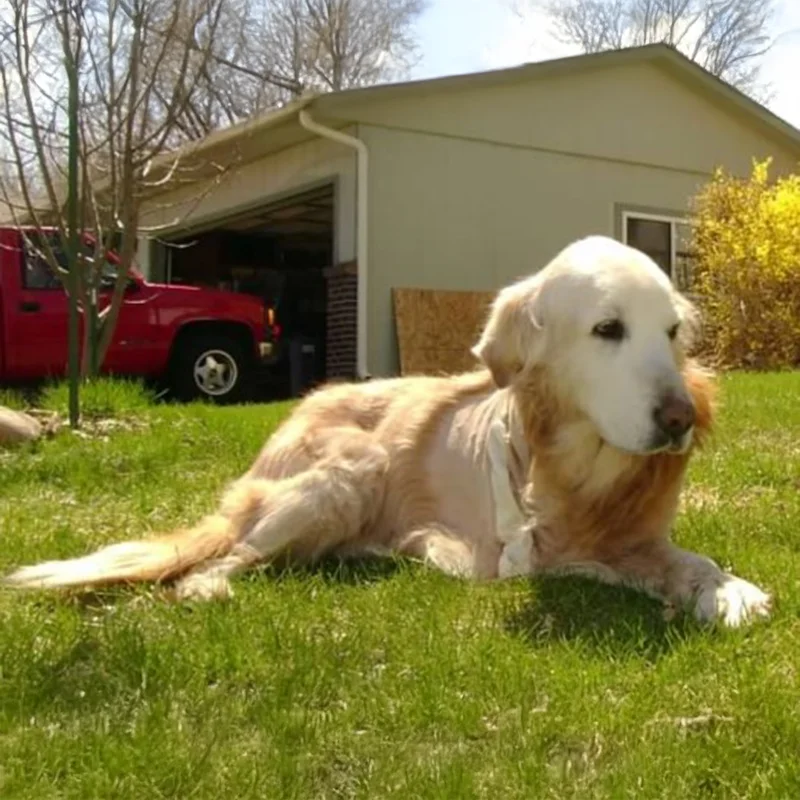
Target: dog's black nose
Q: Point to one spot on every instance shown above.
(674, 416)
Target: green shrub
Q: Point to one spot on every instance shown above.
(747, 275)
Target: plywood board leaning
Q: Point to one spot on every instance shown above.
(436, 328)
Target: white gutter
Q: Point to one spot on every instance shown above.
(361, 229)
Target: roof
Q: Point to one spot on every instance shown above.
(280, 128)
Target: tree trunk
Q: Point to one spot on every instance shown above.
(71, 64)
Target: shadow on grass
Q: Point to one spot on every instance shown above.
(360, 571)
(610, 621)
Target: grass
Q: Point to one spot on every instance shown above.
(384, 679)
(99, 397)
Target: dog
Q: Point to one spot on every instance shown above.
(563, 451)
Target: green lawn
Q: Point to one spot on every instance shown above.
(386, 679)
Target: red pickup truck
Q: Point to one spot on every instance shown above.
(202, 343)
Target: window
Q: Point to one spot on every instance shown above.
(36, 270)
(667, 240)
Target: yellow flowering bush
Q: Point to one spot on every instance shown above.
(746, 277)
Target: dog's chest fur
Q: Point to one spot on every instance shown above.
(580, 500)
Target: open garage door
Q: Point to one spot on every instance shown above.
(283, 253)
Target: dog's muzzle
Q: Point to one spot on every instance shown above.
(674, 417)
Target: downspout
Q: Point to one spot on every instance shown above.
(361, 230)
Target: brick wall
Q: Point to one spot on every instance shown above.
(342, 322)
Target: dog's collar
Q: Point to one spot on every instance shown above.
(508, 459)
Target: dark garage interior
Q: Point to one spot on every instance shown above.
(283, 253)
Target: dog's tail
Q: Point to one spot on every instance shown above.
(158, 559)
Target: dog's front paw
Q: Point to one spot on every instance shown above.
(517, 558)
(733, 603)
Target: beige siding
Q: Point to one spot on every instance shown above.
(454, 214)
(259, 182)
(635, 113)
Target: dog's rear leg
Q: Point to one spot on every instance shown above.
(440, 548)
(305, 515)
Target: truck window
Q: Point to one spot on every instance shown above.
(36, 272)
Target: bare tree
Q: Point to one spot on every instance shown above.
(359, 42)
(121, 132)
(268, 51)
(726, 37)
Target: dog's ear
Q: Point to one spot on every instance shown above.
(511, 339)
(691, 319)
(702, 385)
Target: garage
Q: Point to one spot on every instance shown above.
(282, 252)
(460, 185)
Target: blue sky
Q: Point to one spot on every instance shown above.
(471, 35)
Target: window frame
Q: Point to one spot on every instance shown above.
(672, 219)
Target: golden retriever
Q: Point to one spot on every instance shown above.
(564, 451)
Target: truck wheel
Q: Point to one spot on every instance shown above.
(211, 367)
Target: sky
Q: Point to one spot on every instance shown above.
(458, 36)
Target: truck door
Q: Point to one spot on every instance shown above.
(137, 346)
(37, 318)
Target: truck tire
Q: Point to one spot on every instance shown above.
(210, 366)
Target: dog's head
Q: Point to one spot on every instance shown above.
(605, 325)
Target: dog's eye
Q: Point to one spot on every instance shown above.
(612, 330)
(673, 331)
